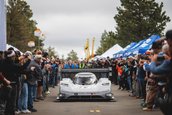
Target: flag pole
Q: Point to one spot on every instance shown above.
(92, 54)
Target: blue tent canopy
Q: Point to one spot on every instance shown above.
(137, 48)
(143, 46)
(146, 45)
(120, 53)
(130, 51)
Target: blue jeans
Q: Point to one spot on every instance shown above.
(34, 94)
(52, 80)
(129, 82)
(30, 95)
(23, 99)
(140, 88)
(44, 83)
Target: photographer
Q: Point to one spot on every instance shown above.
(152, 79)
(165, 69)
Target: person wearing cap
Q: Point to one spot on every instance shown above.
(165, 69)
(34, 75)
(11, 71)
(28, 53)
(23, 96)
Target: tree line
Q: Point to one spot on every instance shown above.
(136, 20)
(21, 27)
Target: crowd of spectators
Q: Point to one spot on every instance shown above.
(149, 76)
(26, 78)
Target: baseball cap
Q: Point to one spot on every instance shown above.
(28, 53)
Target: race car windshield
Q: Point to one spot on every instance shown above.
(83, 80)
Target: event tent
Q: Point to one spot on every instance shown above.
(120, 53)
(137, 48)
(128, 52)
(143, 47)
(114, 49)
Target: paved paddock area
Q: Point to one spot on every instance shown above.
(125, 105)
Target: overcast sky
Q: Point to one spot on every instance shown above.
(68, 23)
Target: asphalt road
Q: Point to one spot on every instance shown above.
(124, 105)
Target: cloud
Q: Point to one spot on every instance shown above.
(68, 23)
(72, 31)
(167, 8)
(72, 6)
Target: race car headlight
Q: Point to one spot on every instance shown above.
(105, 84)
(65, 84)
(109, 95)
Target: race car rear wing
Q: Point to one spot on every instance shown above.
(99, 72)
(95, 70)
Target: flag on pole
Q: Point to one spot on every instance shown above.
(86, 49)
(86, 46)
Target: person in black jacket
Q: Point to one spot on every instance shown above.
(4, 92)
(11, 71)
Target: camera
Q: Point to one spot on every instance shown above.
(160, 57)
(144, 57)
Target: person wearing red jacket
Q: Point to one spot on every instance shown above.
(120, 73)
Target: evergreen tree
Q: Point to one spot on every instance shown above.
(72, 55)
(51, 52)
(139, 19)
(20, 26)
(108, 39)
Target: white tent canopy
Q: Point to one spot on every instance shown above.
(114, 49)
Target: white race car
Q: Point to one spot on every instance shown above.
(85, 84)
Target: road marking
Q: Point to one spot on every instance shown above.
(98, 111)
(91, 111)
